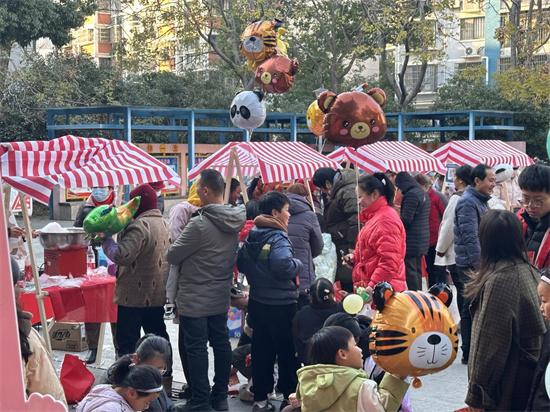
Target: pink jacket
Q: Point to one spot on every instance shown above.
(179, 217)
(103, 398)
(380, 248)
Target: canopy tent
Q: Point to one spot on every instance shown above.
(35, 167)
(394, 156)
(70, 161)
(474, 152)
(275, 161)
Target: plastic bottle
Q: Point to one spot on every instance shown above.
(90, 257)
(101, 258)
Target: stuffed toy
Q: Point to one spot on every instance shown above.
(353, 118)
(413, 333)
(276, 74)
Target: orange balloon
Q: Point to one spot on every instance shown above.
(413, 333)
(314, 119)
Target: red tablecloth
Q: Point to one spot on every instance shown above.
(91, 302)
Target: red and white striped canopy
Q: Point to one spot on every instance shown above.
(275, 161)
(70, 161)
(474, 152)
(394, 156)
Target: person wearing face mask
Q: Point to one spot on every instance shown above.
(101, 195)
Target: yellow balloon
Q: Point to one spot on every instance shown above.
(353, 304)
(314, 119)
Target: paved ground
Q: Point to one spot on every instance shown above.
(442, 392)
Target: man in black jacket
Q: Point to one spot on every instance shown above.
(534, 183)
(415, 215)
(340, 214)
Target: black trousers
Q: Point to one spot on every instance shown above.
(413, 272)
(436, 274)
(183, 355)
(465, 316)
(92, 334)
(459, 287)
(272, 338)
(130, 321)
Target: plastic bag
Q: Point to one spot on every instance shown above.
(76, 379)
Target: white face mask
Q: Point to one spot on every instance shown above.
(100, 194)
(159, 193)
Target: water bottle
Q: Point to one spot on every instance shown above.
(101, 258)
(90, 257)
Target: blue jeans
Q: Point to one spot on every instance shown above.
(197, 333)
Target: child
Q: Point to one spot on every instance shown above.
(267, 260)
(336, 380)
(154, 351)
(134, 388)
(539, 399)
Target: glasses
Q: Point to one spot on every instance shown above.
(533, 203)
(162, 370)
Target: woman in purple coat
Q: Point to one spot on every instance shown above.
(305, 235)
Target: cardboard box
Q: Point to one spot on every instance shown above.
(70, 336)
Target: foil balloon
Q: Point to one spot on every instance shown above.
(282, 46)
(353, 303)
(107, 220)
(276, 74)
(548, 149)
(248, 110)
(314, 118)
(503, 172)
(413, 333)
(353, 118)
(258, 42)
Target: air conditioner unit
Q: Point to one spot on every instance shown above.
(469, 53)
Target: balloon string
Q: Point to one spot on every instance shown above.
(357, 185)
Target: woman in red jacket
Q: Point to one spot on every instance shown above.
(380, 248)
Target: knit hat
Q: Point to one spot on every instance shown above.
(148, 198)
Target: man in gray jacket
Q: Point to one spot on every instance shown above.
(205, 252)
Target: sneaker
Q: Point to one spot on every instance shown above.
(268, 407)
(169, 311)
(191, 406)
(185, 392)
(220, 404)
(245, 395)
(284, 404)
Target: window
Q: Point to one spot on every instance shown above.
(471, 29)
(104, 61)
(504, 63)
(540, 59)
(104, 5)
(542, 33)
(104, 35)
(84, 36)
(429, 84)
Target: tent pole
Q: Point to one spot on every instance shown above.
(228, 177)
(310, 195)
(240, 174)
(506, 198)
(39, 294)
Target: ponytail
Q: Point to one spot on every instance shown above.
(144, 379)
(378, 181)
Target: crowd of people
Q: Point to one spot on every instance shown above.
(297, 338)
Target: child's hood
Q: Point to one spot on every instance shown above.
(320, 386)
(104, 398)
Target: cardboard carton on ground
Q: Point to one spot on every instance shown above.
(68, 336)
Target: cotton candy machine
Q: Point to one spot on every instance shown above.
(64, 250)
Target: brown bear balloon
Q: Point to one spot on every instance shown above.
(353, 118)
(276, 74)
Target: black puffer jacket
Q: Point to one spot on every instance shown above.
(468, 213)
(536, 229)
(415, 214)
(306, 237)
(341, 210)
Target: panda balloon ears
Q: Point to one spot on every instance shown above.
(384, 291)
(258, 92)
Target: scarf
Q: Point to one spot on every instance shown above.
(270, 221)
(193, 197)
(109, 201)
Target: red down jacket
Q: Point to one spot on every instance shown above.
(380, 248)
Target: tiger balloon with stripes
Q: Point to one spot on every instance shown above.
(413, 333)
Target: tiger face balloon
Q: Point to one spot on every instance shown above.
(413, 333)
(259, 41)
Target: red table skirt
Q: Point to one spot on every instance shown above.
(92, 302)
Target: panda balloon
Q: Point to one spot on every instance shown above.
(248, 110)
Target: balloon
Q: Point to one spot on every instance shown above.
(353, 118)
(282, 46)
(413, 332)
(276, 74)
(353, 304)
(248, 110)
(548, 150)
(107, 220)
(503, 172)
(258, 42)
(314, 119)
